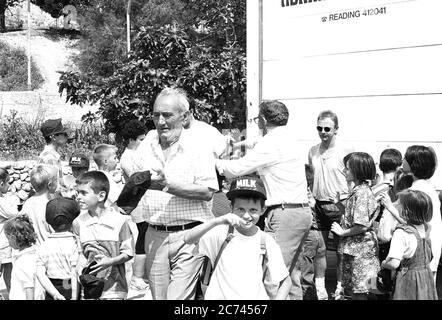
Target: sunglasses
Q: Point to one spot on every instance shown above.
(325, 129)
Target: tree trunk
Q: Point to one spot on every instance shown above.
(2, 15)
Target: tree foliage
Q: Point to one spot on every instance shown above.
(196, 45)
(4, 4)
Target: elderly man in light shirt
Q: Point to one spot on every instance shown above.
(183, 183)
(278, 159)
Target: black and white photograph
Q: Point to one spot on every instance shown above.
(231, 151)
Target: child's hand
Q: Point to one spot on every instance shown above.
(232, 219)
(58, 296)
(385, 200)
(337, 229)
(336, 198)
(103, 263)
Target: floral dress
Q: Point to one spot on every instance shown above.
(360, 252)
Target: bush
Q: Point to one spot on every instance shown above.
(14, 70)
(22, 140)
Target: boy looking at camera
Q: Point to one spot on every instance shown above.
(240, 272)
(104, 234)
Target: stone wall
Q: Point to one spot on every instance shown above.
(20, 174)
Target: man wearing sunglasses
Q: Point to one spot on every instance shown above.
(329, 190)
(279, 162)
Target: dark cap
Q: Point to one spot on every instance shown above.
(133, 191)
(79, 160)
(247, 186)
(52, 126)
(64, 207)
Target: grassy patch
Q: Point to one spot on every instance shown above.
(14, 70)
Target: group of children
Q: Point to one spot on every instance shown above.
(384, 234)
(75, 236)
(60, 231)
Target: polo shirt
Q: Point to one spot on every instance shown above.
(107, 234)
(58, 255)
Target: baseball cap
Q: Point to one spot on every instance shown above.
(61, 207)
(79, 160)
(133, 191)
(247, 186)
(52, 126)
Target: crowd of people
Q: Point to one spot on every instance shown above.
(192, 223)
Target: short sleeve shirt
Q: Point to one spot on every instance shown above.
(23, 274)
(188, 163)
(362, 208)
(239, 272)
(58, 255)
(404, 244)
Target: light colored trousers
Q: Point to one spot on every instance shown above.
(171, 265)
(288, 227)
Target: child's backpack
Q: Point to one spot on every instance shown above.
(207, 269)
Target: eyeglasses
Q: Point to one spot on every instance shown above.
(325, 129)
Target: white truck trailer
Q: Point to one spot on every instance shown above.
(376, 63)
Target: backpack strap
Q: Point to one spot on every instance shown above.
(298, 251)
(223, 246)
(264, 255)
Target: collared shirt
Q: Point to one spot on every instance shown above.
(58, 255)
(279, 162)
(109, 235)
(187, 162)
(328, 169)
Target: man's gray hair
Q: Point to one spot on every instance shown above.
(180, 94)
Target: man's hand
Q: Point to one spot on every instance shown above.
(157, 179)
(337, 229)
(103, 263)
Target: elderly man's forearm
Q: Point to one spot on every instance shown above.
(190, 191)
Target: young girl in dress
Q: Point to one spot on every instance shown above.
(410, 250)
(358, 242)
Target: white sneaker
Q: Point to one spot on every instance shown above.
(339, 294)
(322, 294)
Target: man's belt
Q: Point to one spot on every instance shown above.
(329, 202)
(288, 206)
(160, 227)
